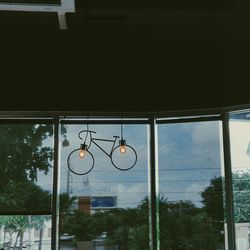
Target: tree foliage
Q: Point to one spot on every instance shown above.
(18, 224)
(24, 197)
(214, 200)
(184, 226)
(22, 154)
(241, 195)
(181, 227)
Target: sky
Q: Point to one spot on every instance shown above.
(189, 156)
(130, 187)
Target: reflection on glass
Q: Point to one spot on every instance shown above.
(106, 208)
(190, 186)
(25, 167)
(25, 232)
(240, 153)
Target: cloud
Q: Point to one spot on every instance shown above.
(239, 138)
(130, 187)
(205, 133)
(189, 157)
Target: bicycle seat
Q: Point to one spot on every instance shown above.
(115, 136)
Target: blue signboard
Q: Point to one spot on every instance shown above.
(103, 201)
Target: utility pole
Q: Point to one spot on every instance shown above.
(68, 176)
(69, 182)
(180, 208)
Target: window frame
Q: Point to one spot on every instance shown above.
(150, 118)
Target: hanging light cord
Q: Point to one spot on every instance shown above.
(121, 128)
(86, 136)
(121, 131)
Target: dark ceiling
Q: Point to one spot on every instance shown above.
(135, 55)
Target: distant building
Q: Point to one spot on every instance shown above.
(84, 204)
(242, 236)
(89, 204)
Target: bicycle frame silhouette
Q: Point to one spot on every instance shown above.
(110, 154)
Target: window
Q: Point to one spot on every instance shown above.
(190, 195)
(107, 205)
(42, 206)
(26, 166)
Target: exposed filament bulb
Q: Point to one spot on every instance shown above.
(122, 144)
(83, 150)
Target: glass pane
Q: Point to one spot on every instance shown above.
(240, 153)
(190, 186)
(26, 152)
(31, 1)
(25, 232)
(108, 207)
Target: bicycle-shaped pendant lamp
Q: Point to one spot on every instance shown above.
(83, 152)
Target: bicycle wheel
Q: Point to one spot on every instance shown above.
(78, 165)
(125, 161)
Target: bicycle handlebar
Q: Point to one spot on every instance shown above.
(86, 131)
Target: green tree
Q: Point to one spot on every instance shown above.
(18, 224)
(21, 224)
(22, 154)
(24, 196)
(183, 226)
(127, 228)
(214, 205)
(66, 203)
(241, 195)
(39, 222)
(213, 200)
(138, 238)
(14, 224)
(7, 223)
(81, 225)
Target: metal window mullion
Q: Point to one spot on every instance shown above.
(104, 122)
(26, 121)
(153, 197)
(189, 119)
(55, 185)
(228, 183)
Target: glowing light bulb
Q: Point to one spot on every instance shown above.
(83, 150)
(123, 149)
(122, 144)
(82, 153)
